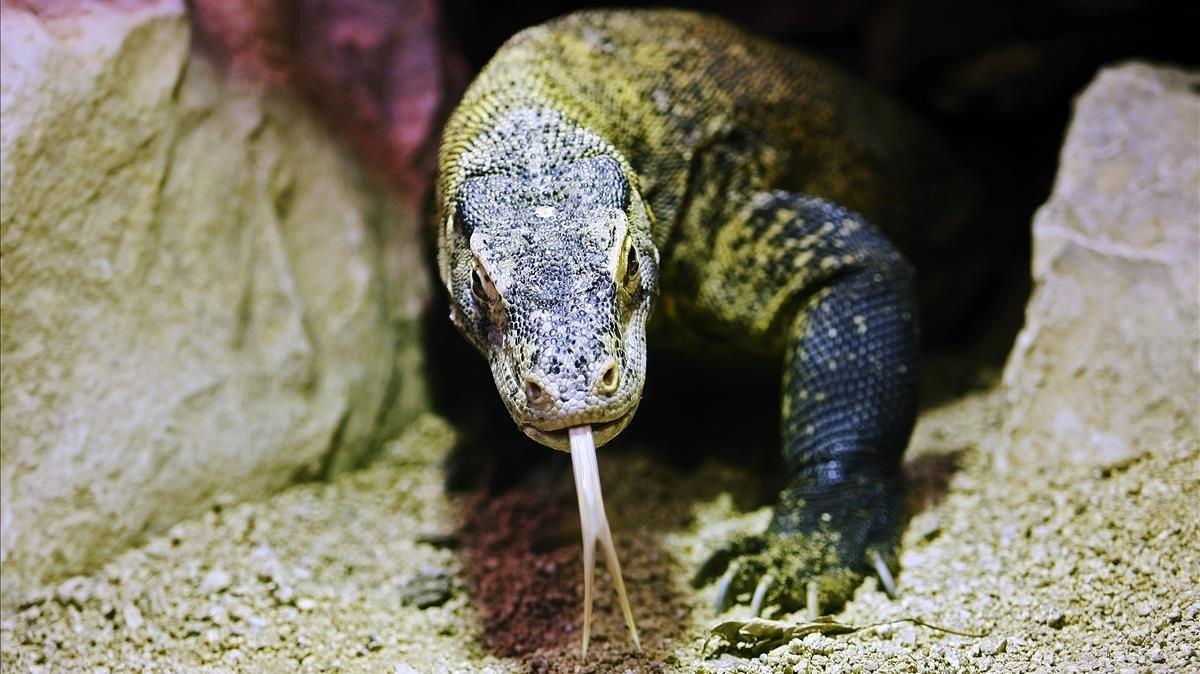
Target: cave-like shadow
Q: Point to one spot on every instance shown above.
(518, 517)
(519, 524)
(520, 538)
(519, 530)
(927, 481)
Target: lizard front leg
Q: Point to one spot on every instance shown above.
(842, 302)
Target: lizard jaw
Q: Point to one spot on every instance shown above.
(559, 438)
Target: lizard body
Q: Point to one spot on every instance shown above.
(611, 159)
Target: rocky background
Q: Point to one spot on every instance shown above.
(214, 287)
(206, 297)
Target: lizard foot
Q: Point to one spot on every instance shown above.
(812, 557)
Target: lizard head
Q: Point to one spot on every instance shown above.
(551, 275)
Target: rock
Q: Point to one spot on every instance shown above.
(381, 72)
(75, 591)
(203, 294)
(215, 581)
(133, 617)
(1105, 367)
(1054, 619)
(427, 589)
(284, 594)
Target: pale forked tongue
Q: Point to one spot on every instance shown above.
(595, 527)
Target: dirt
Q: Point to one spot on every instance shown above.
(1073, 569)
(524, 565)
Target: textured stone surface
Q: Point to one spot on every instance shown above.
(382, 73)
(1107, 364)
(204, 299)
(1068, 570)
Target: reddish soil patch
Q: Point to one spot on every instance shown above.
(522, 553)
(927, 480)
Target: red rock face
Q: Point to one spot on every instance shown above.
(379, 72)
(54, 9)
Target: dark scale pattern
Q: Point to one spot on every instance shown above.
(609, 157)
(543, 240)
(817, 284)
(849, 383)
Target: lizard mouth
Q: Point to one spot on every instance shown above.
(559, 438)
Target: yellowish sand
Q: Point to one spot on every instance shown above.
(1071, 569)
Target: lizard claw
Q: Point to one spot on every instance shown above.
(885, 574)
(720, 560)
(760, 593)
(724, 589)
(813, 604)
(764, 570)
(810, 559)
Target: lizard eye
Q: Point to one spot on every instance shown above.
(627, 267)
(631, 264)
(482, 287)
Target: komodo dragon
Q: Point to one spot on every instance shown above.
(609, 159)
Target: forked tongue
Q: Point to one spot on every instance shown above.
(595, 527)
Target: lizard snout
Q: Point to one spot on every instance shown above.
(535, 392)
(602, 386)
(609, 380)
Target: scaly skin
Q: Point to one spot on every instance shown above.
(608, 158)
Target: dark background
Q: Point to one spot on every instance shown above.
(997, 79)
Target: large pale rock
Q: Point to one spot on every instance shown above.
(1108, 363)
(203, 298)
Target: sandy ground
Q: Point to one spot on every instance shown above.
(1075, 569)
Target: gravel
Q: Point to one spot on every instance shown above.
(1075, 569)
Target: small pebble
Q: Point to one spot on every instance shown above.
(132, 616)
(215, 581)
(284, 594)
(427, 589)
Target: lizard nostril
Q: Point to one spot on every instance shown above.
(609, 378)
(534, 392)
